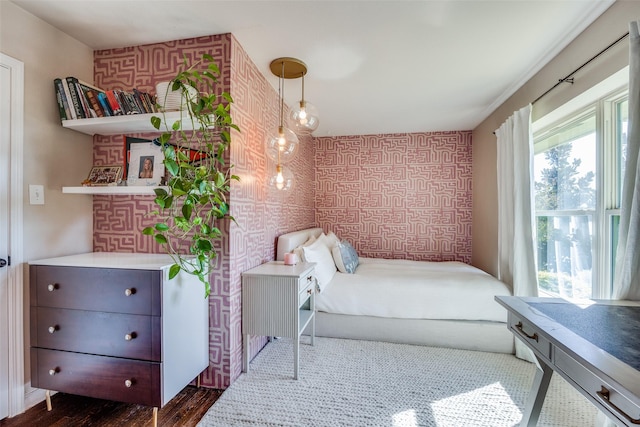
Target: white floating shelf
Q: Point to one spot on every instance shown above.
(134, 123)
(115, 190)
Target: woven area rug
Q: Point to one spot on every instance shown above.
(363, 383)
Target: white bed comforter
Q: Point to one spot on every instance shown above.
(414, 290)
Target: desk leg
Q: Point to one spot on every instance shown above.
(536, 394)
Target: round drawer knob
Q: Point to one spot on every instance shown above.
(130, 336)
(51, 287)
(52, 329)
(129, 291)
(128, 383)
(52, 372)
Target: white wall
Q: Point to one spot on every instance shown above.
(53, 156)
(607, 28)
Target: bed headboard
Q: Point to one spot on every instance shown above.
(289, 241)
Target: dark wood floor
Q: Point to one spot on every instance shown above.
(68, 410)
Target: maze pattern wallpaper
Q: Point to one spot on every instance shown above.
(397, 196)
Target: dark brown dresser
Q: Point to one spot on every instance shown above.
(113, 326)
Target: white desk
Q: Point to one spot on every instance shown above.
(594, 346)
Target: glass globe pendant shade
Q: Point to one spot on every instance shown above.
(304, 117)
(282, 147)
(281, 180)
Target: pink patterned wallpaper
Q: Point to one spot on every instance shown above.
(397, 196)
(260, 216)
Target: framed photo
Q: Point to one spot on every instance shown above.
(103, 175)
(144, 164)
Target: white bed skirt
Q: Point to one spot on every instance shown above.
(493, 337)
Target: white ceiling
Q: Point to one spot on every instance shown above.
(374, 66)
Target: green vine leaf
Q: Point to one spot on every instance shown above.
(186, 211)
(174, 270)
(156, 122)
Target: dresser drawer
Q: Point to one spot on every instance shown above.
(98, 289)
(595, 386)
(530, 336)
(110, 334)
(102, 377)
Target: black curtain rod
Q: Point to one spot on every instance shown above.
(569, 79)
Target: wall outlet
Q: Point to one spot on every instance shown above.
(36, 194)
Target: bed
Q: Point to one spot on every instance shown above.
(443, 304)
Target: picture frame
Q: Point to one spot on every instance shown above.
(109, 175)
(143, 162)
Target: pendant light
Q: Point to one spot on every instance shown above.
(304, 117)
(283, 146)
(282, 180)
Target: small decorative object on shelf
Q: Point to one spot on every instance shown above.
(103, 176)
(143, 162)
(169, 99)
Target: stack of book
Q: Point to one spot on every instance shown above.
(80, 100)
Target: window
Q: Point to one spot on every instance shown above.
(578, 167)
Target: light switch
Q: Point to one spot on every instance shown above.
(36, 194)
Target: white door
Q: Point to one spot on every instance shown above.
(5, 114)
(12, 389)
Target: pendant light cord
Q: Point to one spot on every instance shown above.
(281, 93)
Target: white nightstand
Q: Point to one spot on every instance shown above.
(278, 300)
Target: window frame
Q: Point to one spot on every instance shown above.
(607, 181)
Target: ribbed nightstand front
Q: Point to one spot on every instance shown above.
(278, 300)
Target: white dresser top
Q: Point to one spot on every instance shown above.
(136, 261)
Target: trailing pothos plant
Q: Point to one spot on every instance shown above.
(189, 209)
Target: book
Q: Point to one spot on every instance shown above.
(139, 99)
(67, 93)
(113, 103)
(84, 102)
(86, 85)
(104, 103)
(75, 100)
(63, 106)
(92, 97)
(91, 94)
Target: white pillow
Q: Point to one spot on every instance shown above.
(345, 257)
(331, 240)
(325, 266)
(298, 251)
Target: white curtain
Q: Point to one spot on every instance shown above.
(516, 247)
(626, 283)
(627, 276)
